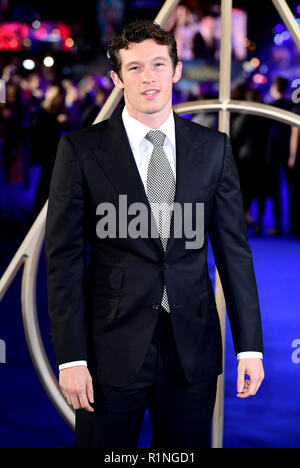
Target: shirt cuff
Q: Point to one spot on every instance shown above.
(250, 355)
(72, 364)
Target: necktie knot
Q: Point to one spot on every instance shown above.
(156, 137)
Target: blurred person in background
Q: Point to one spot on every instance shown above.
(36, 90)
(72, 103)
(50, 122)
(12, 135)
(91, 112)
(87, 90)
(32, 95)
(294, 166)
(9, 72)
(237, 94)
(249, 135)
(277, 156)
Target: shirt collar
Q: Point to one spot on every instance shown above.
(136, 131)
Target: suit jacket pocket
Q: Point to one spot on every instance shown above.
(105, 307)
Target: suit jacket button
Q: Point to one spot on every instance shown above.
(166, 266)
(155, 306)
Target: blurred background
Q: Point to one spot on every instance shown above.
(54, 66)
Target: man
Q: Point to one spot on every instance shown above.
(140, 328)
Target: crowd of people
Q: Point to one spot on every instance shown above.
(33, 118)
(37, 113)
(267, 154)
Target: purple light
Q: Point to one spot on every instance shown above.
(279, 28)
(298, 9)
(286, 35)
(278, 39)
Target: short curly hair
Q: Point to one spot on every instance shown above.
(137, 32)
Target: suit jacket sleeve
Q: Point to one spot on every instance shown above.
(228, 235)
(66, 256)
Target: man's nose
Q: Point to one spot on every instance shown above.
(148, 74)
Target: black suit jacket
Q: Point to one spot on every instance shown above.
(106, 313)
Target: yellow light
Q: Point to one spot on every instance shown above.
(69, 42)
(255, 62)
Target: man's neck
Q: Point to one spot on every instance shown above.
(152, 121)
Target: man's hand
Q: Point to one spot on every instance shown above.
(77, 387)
(255, 370)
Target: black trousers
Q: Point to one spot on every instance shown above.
(180, 413)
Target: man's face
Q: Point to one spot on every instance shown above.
(147, 77)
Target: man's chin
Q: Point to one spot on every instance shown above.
(149, 110)
(154, 109)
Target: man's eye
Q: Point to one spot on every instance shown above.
(133, 68)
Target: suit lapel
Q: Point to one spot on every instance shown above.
(189, 159)
(190, 153)
(117, 160)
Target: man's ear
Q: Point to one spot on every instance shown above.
(116, 80)
(177, 73)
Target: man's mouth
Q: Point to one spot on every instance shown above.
(150, 92)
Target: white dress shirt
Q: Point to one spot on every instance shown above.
(142, 151)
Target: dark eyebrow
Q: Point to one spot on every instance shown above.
(161, 58)
(132, 63)
(135, 62)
